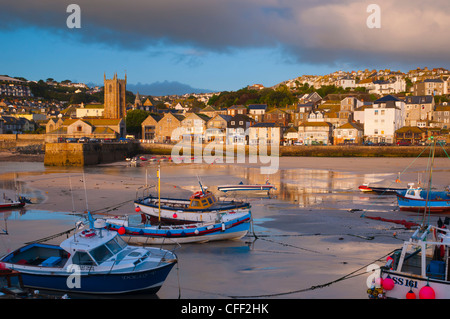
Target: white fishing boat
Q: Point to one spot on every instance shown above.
(202, 206)
(241, 187)
(420, 269)
(92, 261)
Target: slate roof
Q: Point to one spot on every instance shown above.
(419, 99)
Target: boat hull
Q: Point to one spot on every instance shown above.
(149, 281)
(11, 205)
(229, 230)
(175, 212)
(246, 188)
(435, 204)
(404, 283)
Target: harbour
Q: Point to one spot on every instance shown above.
(309, 239)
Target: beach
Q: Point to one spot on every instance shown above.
(305, 242)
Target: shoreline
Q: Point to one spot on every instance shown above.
(10, 156)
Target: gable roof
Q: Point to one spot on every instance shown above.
(419, 99)
(351, 125)
(386, 98)
(257, 106)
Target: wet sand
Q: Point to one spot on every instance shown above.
(312, 233)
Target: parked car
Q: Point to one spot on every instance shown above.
(83, 140)
(71, 140)
(403, 143)
(369, 143)
(298, 143)
(94, 140)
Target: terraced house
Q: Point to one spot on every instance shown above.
(383, 119)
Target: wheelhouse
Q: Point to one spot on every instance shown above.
(202, 200)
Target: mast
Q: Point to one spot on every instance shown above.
(429, 180)
(159, 193)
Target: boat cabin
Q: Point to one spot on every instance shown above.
(425, 257)
(414, 193)
(202, 200)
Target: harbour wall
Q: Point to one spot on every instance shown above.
(10, 141)
(84, 154)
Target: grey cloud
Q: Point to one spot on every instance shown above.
(319, 31)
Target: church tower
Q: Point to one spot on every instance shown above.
(115, 102)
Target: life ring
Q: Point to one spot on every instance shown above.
(88, 233)
(197, 194)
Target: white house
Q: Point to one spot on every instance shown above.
(257, 111)
(388, 87)
(383, 119)
(346, 82)
(265, 134)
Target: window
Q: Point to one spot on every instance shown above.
(101, 253)
(114, 246)
(82, 259)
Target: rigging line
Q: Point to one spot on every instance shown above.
(51, 236)
(348, 276)
(289, 245)
(109, 208)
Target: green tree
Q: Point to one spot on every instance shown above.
(134, 121)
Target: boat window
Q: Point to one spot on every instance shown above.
(204, 202)
(101, 253)
(210, 200)
(120, 242)
(114, 246)
(195, 203)
(82, 259)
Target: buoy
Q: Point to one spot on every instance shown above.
(388, 283)
(121, 230)
(175, 215)
(410, 295)
(137, 209)
(427, 292)
(196, 231)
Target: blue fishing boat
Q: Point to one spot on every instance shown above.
(92, 261)
(416, 199)
(135, 229)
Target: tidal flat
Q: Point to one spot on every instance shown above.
(310, 239)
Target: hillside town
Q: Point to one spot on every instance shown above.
(367, 107)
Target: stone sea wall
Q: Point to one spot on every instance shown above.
(83, 154)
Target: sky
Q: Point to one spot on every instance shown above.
(218, 45)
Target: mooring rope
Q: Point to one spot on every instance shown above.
(347, 276)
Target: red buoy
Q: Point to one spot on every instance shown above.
(427, 293)
(388, 283)
(410, 295)
(121, 230)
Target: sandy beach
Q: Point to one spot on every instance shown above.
(313, 232)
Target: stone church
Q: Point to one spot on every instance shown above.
(109, 126)
(115, 101)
